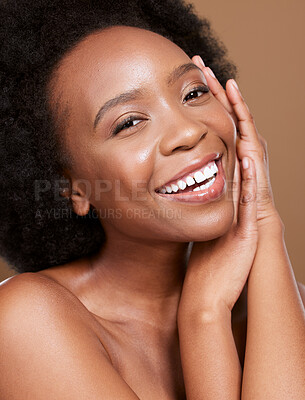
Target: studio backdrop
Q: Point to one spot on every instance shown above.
(265, 39)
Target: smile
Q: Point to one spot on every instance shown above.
(197, 180)
(202, 185)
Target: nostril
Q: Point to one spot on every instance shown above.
(183, 147)
(187, 147)
(203, 135)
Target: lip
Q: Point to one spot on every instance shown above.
(192, 167)
(210, 194)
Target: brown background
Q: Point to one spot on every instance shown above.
(266, 41)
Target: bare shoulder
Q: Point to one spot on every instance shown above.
(33, 306)
(44, 333)
(33, 294)
(301, 287)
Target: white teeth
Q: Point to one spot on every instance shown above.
(181, 184)
(210, 183)
(199, 177)
(207, 185)
(174, 187)
(214, 168)
(208, 173)
(190, 181)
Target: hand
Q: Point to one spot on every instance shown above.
(218, 269)
(249, 142)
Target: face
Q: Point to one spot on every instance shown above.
(140, 117)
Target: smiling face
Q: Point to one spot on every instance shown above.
(140, 114)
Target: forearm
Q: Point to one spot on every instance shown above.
(274, 365)
(210, 362)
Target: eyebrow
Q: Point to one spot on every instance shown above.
(122, 98)
(135, 94)
(179, 71)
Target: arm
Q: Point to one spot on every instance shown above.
(275, 310)
(48, 350)
(216, 273)
(275, 351)
(210, 362)
(301, 288)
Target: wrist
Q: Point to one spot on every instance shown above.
(210, 313)
(271, 222)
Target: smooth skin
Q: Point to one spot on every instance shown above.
(133, 322)
(275, 339)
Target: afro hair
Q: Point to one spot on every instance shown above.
(38, 229)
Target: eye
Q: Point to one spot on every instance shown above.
(196, 92)
(127, 123)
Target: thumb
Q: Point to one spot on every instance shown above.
(247, 213)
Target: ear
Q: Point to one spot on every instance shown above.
(78, 197)
(80, 202)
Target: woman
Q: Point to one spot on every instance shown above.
(138, 255)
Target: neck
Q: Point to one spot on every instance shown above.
(139, 279)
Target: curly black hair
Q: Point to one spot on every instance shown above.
(38, 229)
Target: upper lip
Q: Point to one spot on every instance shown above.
(194, 165)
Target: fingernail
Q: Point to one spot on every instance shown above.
(201, 61)
(235, 84)
(245, 163)
(211, 72)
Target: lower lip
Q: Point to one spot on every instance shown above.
(212, 193)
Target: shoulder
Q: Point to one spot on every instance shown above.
(31, 303)
(47, 341)
(21, 289)
(33, 293)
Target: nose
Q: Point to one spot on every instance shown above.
(182, 133)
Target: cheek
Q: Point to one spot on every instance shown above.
(120, 174)
(225, 126)
(219, 123)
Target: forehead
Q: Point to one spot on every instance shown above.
(121, 54)
(117, 39)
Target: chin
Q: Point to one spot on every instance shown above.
(215, 225)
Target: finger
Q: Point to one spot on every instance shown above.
(215, 87)
(236, 188)
(247, 211)
(245, 121)
(250, 142)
